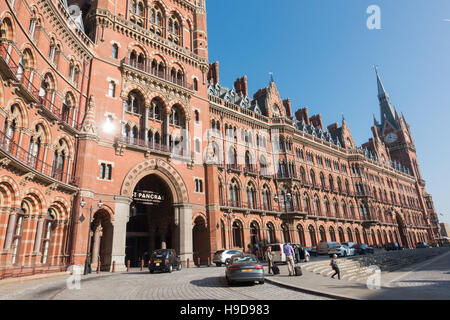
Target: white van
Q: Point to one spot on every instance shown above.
(324, 246)
(278, 253)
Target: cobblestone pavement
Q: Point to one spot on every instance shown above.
(189, 284)
(429, 278)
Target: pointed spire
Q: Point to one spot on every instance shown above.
(381, 91)
(388, 112)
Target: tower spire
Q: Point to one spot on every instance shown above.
(381, 91)
(388, 112)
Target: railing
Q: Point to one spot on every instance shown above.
(145, 67)
(250, 169)
(234, 167)
(24, 80)
(4, 54)
(153, 145)
(22, 155)
(64, 117)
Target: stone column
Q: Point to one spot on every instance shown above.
(121, 217)
(96, 247)
(185, 232)
(147, 108)
(10, 230)
(166, 128)
(37, 242)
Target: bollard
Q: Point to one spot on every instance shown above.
(187, 263)
(114, 267)
(142, 265)
(198, 262)
(209, 261)
(128, 266)
(98, 266)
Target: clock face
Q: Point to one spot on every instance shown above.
(391, 137)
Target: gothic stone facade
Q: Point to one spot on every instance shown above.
(91, 105)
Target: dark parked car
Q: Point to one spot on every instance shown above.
(363, 248)
(311, 251)
(244, 268)
(393, 246)
(164, 260)
(422, 245)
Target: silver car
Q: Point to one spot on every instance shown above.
(244, 268)
(341, 251)
(224, 256)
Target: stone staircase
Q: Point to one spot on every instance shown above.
(359, 268)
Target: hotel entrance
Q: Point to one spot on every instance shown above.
(151, 224)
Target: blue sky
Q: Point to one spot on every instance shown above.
(322, 55)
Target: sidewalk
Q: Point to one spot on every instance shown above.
(425, 284)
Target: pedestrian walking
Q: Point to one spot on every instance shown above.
(289, 252)
(297, 253)
(269, 257)
(334, 266)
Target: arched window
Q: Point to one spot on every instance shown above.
(286, 238)
(306, 204)
(266, 198)
(232, 158)
(175, 117)
(347, 186)
(357, 236)
(331, 182)
(195, 84)
(115, 51)
(322, 181)
(271, 237)
(313, 177)
(327, 207)
(237, 234)
(49, 224)
(263, 165)
(301, 235)
(254, 233)
(344, 209)
(234, 193)
(17, 235)
(303, 175)
(332, 234)
(312, 236)
(134, 103)
(248, 162)
(35, 147)
(336, 208)
(251, 196)
(323, 235)
(59, 160)
(341, 235)
(339, 183)
(317, 208)
(349, 235)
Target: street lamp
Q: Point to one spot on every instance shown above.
(286, 199)
(87, 264)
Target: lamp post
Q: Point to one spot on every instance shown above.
(87, 264)
(286, 199)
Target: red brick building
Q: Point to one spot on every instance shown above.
(113, 111)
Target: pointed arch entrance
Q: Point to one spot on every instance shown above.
(402, 230)
(169, 222)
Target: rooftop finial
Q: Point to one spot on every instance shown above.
(271, 77)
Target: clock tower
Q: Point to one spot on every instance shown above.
(396, 135)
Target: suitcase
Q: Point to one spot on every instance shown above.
(298, 271)
(275, 270)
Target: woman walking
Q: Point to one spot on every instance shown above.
(334, 266)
